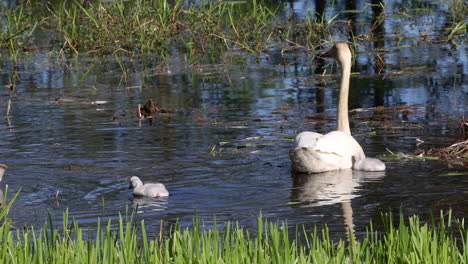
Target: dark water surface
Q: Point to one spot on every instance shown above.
(223, 149)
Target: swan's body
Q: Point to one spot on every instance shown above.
(314, 152)
(149, 189)
(3, 168)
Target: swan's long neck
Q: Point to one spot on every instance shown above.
(342, 114)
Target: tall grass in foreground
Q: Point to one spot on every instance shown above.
(130, 243)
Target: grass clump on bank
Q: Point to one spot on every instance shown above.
(130, 242)
(202, 29)
(152, 26)
(199, 31)
(146, 26)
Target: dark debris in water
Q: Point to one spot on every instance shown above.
(395, 109)
(455, 154)
(150, 108)
(395, 117)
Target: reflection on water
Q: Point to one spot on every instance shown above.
(334, 187)
(148, 205)
(320, 189)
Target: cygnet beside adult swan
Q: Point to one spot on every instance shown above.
(148, 189)
(314, 152)
(3, 168)
(368, 164)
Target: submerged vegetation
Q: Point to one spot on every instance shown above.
(129, 241)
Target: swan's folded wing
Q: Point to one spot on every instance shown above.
(307, 139)
(340, 144)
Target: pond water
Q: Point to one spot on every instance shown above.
(223, 147)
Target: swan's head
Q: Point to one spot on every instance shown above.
(3, 168)
(134, 182)
(340, 52)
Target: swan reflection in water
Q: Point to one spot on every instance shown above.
(333, 187)
(148, 204)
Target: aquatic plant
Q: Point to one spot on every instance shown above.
(129, 241)
(455, 154)
(142, 27)
(200, 32)
(458, 10)
(17, 32)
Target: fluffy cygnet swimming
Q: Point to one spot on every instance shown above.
(148, 189)
(368, 164)
(3, 168)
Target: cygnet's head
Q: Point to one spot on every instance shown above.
(134, 182)
(3, 168)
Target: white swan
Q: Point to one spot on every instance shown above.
(3, 168)
(314, 152)
(149, 189)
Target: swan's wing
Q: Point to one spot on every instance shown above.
(307, 139)
(340, 144)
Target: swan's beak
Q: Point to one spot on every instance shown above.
(131, 186)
